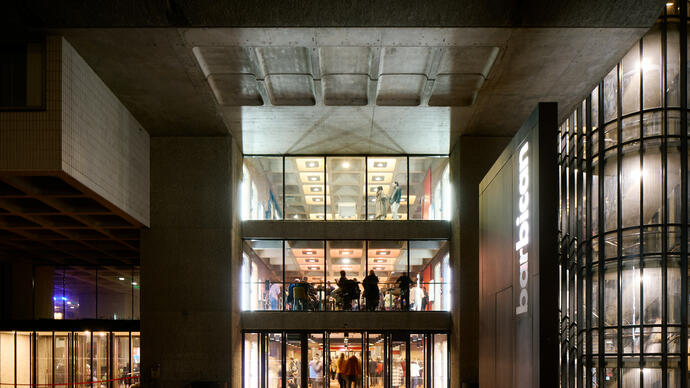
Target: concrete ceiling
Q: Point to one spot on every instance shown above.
(365, 89)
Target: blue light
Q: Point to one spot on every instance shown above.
(64, 298)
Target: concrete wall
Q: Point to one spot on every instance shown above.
(103, 145)
(188, 269)
(470, 159)
(84, 131)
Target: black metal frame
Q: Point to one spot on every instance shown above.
(595, 364)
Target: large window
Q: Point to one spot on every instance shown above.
(22, 75)
(351, 275)
(354, 358)
(79, 292)
(108, 359)
(345, 187)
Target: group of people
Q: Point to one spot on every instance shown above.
(382, 202)
(348, 371)
(303, 296)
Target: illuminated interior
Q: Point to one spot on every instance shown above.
(271, 268)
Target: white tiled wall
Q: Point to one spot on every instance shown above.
(103, 145)
(30, 141)
(84, 131)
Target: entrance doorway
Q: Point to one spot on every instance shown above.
(345, 359)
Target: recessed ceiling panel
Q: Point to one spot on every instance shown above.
(468, 60)
(290, 89)
(223, 60)
(406, 60)
(455, 89)
(235, 89)
(400, 89)
(345, 89)
(284, 60)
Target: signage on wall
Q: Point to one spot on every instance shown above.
(522, 223)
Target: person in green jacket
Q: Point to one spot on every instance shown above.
(395, 199)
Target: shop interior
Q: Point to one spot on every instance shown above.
(365, 359)
(273, 269)
(98, 359)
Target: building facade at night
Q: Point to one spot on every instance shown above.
(378, 195)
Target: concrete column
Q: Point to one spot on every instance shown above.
(470, 159)
(187, 294)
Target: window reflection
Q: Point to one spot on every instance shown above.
(262, 188)
(430, 188)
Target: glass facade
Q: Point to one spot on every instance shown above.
(353, 358)
(84, 358)
(345, 187)
(77, 292)
(623, 220)
(351, 275)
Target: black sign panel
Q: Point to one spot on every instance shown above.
(518, 344)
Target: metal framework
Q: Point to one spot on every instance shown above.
(624, 274)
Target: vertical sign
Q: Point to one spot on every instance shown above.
(522, 223)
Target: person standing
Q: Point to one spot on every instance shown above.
(404, 282)
(371, 290)
(396, 196)
(340, 366)
(381, 204)
(274, 294)
(316, 372)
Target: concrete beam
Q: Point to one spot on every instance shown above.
(338, 230)
(356, 13)
(345, 320)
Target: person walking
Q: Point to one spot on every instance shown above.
(371, 291)
(340, 367)
(404, 282)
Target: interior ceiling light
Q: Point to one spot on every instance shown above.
(317, 199)
(309, 252)
(346, 164)
(315, 189)
(295, 216)
(377, 178)
(380, 164)
(345, 253)
(313, 178)
(313, 268)
(345, 261)
(121, 278)
(311, 260)
(379, 260)
(383, 253)
(379, 268)
(312, 164)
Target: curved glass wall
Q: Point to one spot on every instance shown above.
(623, 223)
